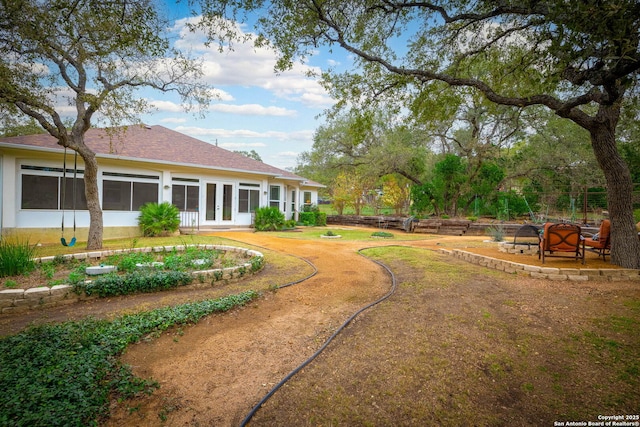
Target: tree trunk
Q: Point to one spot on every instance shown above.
(94, 240)
(625, 245)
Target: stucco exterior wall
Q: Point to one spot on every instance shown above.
(37, 235)
(44, 225)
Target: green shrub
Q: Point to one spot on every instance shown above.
(269, 219)
(16, 257)
(307, 218)
(321, 219)
(59, 259)
(313, 218)
(310, 208)
(511, 205)
(382, 234)
(496, 232)
(257, 263)
(159, 219)
(11, 284)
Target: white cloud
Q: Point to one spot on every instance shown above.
(198, 132)
(63, 100)
(250, 66)
(174, 120)
(252, 110)
(165, 106)
(222, 95)
(317, 100)
(241, 145)
(288, 154)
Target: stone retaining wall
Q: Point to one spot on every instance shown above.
(575, 274)
(16, 300)
(512, 248)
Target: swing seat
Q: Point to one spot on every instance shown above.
(64, 241)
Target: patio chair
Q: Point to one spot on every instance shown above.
(561, 240)
(601, 241)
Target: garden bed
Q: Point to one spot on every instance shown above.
(67, 269)
(63, 279)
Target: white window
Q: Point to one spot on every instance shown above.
(248, 197)
(185, 194)
(274, 196)
(293, 200)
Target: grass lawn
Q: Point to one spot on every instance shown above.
(128, 243)
(348, 233)
(461, 345)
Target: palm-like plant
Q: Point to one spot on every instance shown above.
(269, 219)
(159, 219)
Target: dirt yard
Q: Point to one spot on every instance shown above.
(213, 373)
(440, 324)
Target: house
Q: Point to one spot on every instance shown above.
(211, 186)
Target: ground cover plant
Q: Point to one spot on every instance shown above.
(64, 374)
(137, 281)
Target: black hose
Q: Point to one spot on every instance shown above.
(295, 282)
(324, 346)
(315, 271)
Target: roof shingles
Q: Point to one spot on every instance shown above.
(157, 143)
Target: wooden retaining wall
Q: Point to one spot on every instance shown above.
(452, 227)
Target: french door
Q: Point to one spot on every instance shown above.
(218, 203)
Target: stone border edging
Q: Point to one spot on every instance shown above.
(16, 300)
(551, 273)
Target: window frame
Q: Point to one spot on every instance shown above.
(57, 174)
(189, 202)
(252, 199)
(134, 199)
(275, 202)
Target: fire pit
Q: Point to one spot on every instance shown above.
(526, 241)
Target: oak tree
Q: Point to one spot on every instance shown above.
(579, 59)
(90, 56)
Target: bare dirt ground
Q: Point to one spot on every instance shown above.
(218, 369)
(213, 373)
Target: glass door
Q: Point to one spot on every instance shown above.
(218, 203)
(210, 203)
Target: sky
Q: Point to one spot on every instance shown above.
(274, 114)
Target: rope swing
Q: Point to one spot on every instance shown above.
(64, 187)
